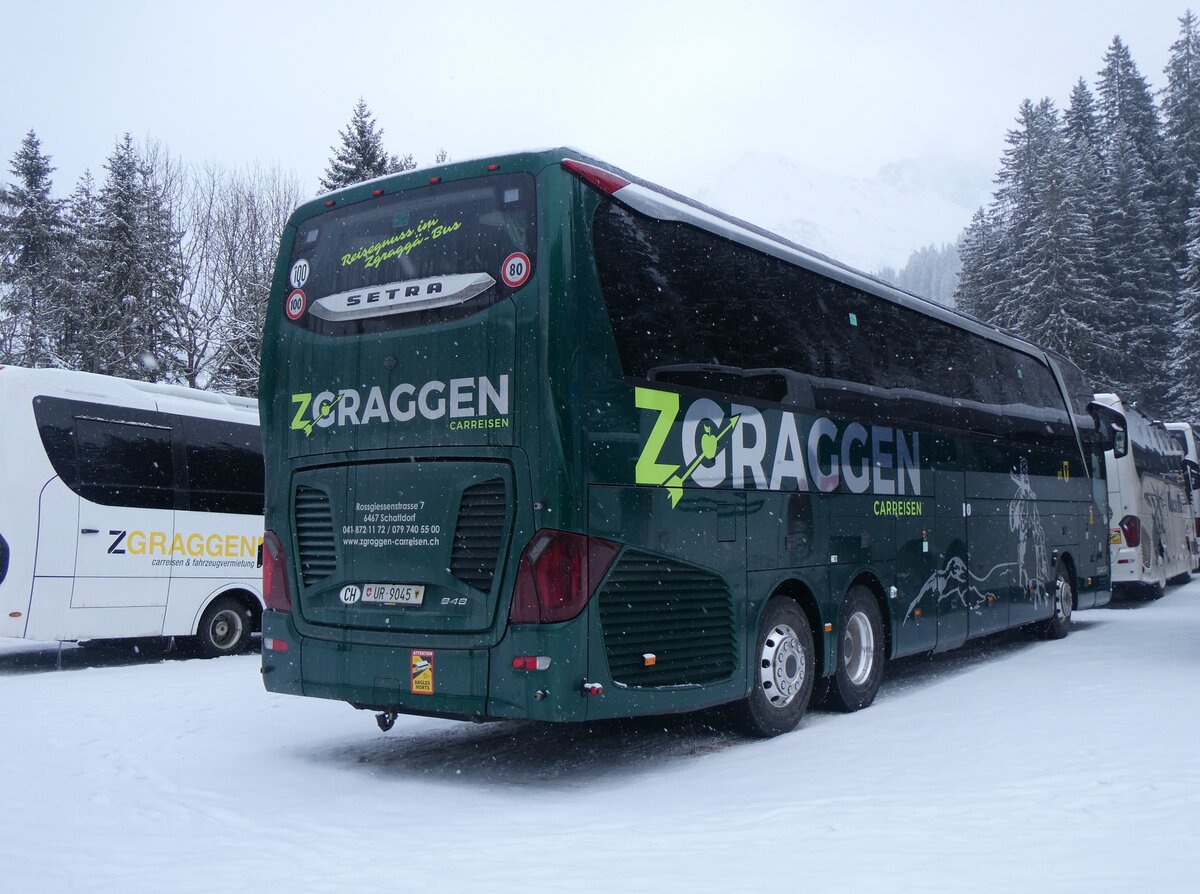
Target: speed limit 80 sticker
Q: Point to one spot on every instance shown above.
(516, 269)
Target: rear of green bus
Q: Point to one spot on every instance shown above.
(427, 547)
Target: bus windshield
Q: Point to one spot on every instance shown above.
(428, 254)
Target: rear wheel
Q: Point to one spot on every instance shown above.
(860, 658)
(784, 669)
(224, 628)
(1064, 600)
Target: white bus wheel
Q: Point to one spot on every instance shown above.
(224, 628)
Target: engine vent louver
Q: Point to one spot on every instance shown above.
(315, 542)
(478, 534)
(681, 614)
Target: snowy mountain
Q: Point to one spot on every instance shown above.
(867, 222)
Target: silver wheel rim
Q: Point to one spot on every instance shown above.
(225, 629)
(858, 648)
(1062, 600)
(781, 667)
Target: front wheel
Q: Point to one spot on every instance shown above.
(224, 628)
(785, 665)
(1064, 600)
(860, 657)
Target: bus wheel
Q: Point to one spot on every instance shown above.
(224, 628)
(784, 670)
(859, 668)
(1064, 597)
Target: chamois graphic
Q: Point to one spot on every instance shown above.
(1023, 518)
(1158, 523)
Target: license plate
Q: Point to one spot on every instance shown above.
(394, 594)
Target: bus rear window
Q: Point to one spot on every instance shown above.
(436, 253)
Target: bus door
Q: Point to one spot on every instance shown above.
(990, 563)
(126, 526)
(1096, 533)
(950, 581)
(54, 563)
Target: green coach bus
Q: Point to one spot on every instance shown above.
(546, 441)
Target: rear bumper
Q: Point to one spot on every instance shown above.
(1127, 565)
(417, 678)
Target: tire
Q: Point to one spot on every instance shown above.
(784, 670)
(1059, 624)
(224, 628)
(860, 658)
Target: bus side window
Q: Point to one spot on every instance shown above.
(125, 465)
(56, 426)
(224, 466)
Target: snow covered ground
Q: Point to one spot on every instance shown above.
(1011, 765)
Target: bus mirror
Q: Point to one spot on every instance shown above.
(1120, 442)
(1110, 424)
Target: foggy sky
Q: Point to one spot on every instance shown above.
(673, 91)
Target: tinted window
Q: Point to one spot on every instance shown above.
(372, 265)
(124, 457)
(125, 465)
(224, 466)
(690, 308)
(1154, 451)
(56, 425)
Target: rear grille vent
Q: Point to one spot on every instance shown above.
(478, 534)
(681, 614)
(314, 535)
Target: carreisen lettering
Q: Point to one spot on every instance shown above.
(898, 507)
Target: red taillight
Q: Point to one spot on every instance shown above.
(531, 662)
(1132, 529)
(557, 574)
(605, 181)
(275, 587)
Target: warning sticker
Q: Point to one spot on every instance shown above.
(422, 672)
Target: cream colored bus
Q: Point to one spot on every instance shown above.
(128, 510)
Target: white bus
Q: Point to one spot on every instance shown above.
(1185, 437)
(128, 510)
(1150, 525)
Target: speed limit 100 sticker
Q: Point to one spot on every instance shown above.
(296, 303)
(299, 274)
(516, 269)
